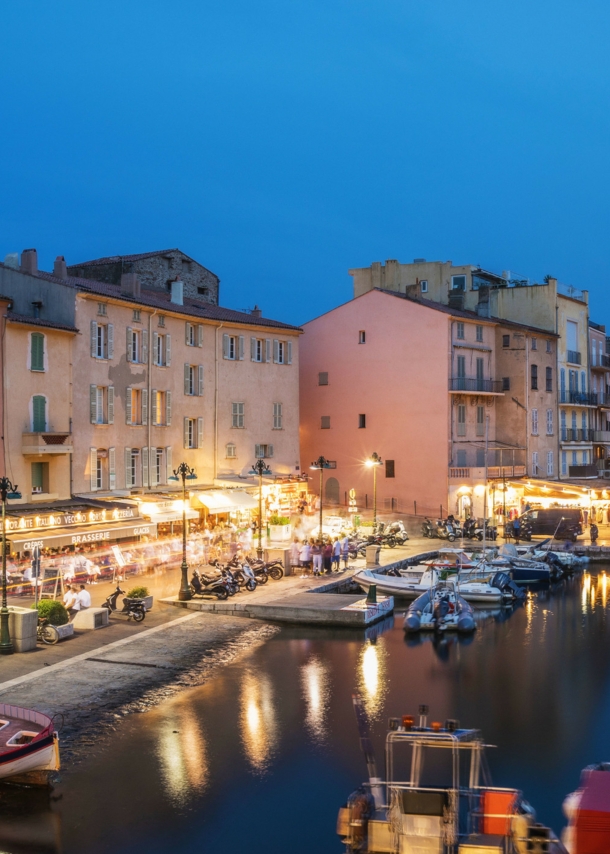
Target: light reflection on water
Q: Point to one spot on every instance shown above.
(316, 689)
(181, 750)
(373, 683)
(258, 723)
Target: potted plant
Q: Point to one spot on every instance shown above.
(57, 615)
(141, 592)
(279, 527)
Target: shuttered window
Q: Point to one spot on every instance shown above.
(37, 352)
(277, 416)
(237, 415)
(461, 420)
(39, 414)
(111, 468)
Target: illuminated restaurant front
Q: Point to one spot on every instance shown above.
(511, 498)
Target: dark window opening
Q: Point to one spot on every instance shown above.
(323, 378)
(389, 468)
(506, 340)
(325, 422)
(549, 379)
(361, 421)
(534, 377)
(505, 383)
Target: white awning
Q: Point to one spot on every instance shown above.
(226, 501)
(172, 516)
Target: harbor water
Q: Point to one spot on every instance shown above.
(261, 757)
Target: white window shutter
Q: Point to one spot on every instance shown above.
(93, 465)
(276, 350)
(93, 338)
(199, 380)
(168, 350)
(144, 353)
(111, 468)
(128, 406)
(153, 407)
(269, 450)
(145, 467)
(187, 379)
(144, 394)
(186, 433)
(257, 451)
(129, 335)
(267, 349)
(110, 404)
(200, 432)
(152, 466)
(187, 333)
(110, 341)
(168, 408)
(155, 351)
(225, 346)
(168, 462)
(241, 347)
(93, 403)
(200, 335)
(289, 352)
(128, 482)
(253, 349)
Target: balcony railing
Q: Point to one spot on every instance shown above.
(478, 472)
(580, 398)
(475, 384)
(577, 435)
(574, 357)
(601, 436)
(601, 363)
(46, 443)
(583, 471)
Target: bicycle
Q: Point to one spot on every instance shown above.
(45, 632)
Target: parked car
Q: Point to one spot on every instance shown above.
(565, 523)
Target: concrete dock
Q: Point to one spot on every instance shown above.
(298, 600)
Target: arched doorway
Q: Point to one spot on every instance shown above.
(332, 491)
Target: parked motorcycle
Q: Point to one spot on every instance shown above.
(203, 585)
(473, 530)
(273, 568)
(397, 529)
(446, 530)
(132, 608)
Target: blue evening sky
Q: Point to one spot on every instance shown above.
(280, 142)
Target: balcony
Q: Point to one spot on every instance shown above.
(577, 435)
(478, 473)
(583, 471)
(578, 398)
(475, 385)
(46, 444)
(604, 363)
(574, 357)
(602, 436)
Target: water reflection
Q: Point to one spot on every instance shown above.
(182, 753)
(372, 677)
(258, 718)
(315, 680)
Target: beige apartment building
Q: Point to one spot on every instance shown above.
(111, 386)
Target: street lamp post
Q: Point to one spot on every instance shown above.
(184, 473)
(374, 462)
(7, 490)
(260, 468)
(320, 464)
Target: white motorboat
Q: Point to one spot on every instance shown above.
(411, 583)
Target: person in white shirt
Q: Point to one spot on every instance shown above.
(69, 599)
(83, 599)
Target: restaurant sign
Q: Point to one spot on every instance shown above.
(66, 520)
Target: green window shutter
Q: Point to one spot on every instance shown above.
(39, 414)
(37, 360)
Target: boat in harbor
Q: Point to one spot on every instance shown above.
(472, 586)
(437, 797)
(440, 609)
(29, 745)
(588, 812)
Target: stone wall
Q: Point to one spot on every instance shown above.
(155, 271)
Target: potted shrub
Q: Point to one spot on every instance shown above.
(279, 527)
(56, 613)
(141, 592)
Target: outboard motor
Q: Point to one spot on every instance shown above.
(504, 582)
(557, 570)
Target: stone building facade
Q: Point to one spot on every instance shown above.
(155, 270)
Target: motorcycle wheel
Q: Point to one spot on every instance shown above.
(276, 572)
(138, 615)
(50, 634)
(451, 538)
(262, 579)
(250, 584)
(392, 542)
(479, 537)
(221, 593)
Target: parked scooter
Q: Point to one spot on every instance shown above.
(203, 585)
(131, 607)
(245, 577)
(447, 530)
(428, 529)
(273, 568)
(397, 529)
(473, 530)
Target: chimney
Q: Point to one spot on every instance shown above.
(59, 267)
(177, 292)
(130, 284)
(256, 311)
(12, 260)
(29, 261)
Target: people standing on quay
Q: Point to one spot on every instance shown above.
(336, 560)
(295, 550)
(316, 551)
(345, 550)
(327, 556)
(305, 557)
